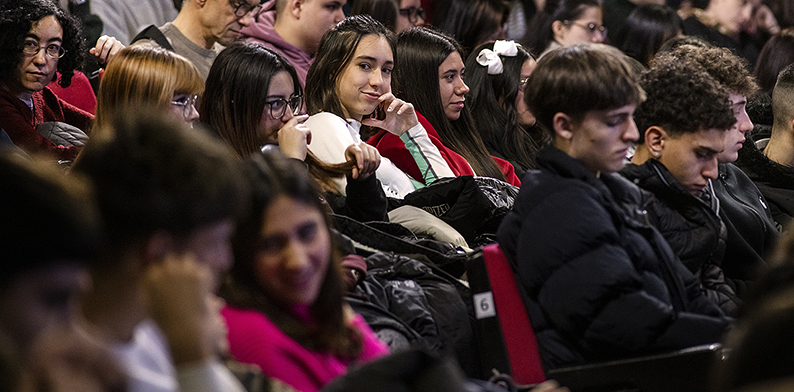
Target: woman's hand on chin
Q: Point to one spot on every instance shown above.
(400, 116)
(367, 160)
(294, 137)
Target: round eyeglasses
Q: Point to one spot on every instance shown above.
(592, 28)
(413, 14)
(279, 106)
(32, 48)
(187, 102)
(243, 8)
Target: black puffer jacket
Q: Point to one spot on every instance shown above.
(751, 229)
(690, 225)
(775, 181)
(604, 282)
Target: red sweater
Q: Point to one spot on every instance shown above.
(390, 146)
(20, 122)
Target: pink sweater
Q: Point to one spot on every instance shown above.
(254, 339)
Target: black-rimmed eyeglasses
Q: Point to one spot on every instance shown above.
(243, 8)
(413, 14)
(279, 106)
(54, 51)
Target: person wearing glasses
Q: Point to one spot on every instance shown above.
(563, 23)
(37, 39)
(199, 27)
(147, 74)
(294, 28)
(253, 101)
(497, 76)
(397, 16)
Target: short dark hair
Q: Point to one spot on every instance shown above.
(683, 98)
(580, 78)
(723, 65)
(47, 217)
(336, 50)
(236, 91)
(17, 18)
(783, 99)
(153, 173)
(271, 176)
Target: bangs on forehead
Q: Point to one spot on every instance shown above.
(188, 79)
(598, 78)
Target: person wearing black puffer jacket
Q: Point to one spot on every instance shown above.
(769, 162)
(683, 123)
(751, 229)
(599, 281)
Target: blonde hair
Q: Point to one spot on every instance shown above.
(144, 74)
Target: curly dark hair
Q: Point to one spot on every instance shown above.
(17, 18)
(723, 65)
(682, 97)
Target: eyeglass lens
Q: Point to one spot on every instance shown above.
(413, 14)
(279, 106)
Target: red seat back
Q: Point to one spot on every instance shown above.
(522, 347)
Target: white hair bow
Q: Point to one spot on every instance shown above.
(490, 58)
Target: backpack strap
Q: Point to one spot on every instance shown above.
(153, 33)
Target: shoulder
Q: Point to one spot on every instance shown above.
(245, 317)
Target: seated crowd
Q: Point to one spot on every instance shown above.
(274, 196)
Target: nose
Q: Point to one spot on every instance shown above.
(597, 37)
(40, 57)
(287, 115)
(462, 88)
(376, 78)
(711, 170)
(420, 21)
(193, 114)
(632, 134)
(296, 256)
(744, 122)
(247, 19)
(340, 15)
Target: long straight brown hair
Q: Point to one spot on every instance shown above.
(271, 176)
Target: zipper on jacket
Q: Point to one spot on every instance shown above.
(755, 213)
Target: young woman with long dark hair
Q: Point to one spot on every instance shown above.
(348, 88)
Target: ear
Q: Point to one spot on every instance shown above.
(157, 247)
(295, 7)
(558, 28)
(655, 138)
(563, 125)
